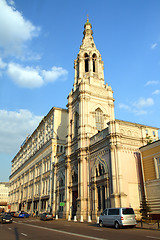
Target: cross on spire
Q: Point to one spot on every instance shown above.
(87, 18)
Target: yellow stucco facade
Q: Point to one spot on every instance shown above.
(151, 173)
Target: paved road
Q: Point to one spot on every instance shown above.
(34, 229)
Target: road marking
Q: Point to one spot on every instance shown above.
(24, 234)
(10, 228)
(152, 237)
(64, 232)
(98, 230)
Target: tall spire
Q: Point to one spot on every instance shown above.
(88, 65)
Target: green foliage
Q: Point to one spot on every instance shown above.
(149, 139)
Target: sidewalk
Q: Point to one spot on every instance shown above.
(154, 225)
(140, 225)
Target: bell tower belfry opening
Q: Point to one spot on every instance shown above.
(90, 107)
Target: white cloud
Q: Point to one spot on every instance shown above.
(139, 111)
(28, 77)
(54, 74)
(2, 64)
(124, 106)
(152, 82)
(11, 2)
(14, 127)
(15, 30)
(25, 77)
(138, 106)
(156, 92)
(154, 45)
(142, 102)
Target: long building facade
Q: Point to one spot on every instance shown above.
(81, 160)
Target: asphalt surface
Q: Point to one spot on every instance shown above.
(34, 229)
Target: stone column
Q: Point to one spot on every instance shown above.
(101, 194)
(55, 190)
(81, 68)
(90, 66)
(107, 188)
(67, 187)
(114, 184)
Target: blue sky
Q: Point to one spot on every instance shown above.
(39, 41)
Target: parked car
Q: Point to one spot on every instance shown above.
(12, 213)
(5, 218)
(21, 214)
(117, 217)
(46, 216)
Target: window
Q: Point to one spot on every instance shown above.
(154, 134)
(99, 198)
(94, 62)
(114, 211)
(105, 212)
(126, 211)
(86, 62)
(61, 182)
(57, 148)
(96, 172)
(100, 170)
(76, 123)
(75, 178)
(146, 132)
(158, 167)
(99, 119)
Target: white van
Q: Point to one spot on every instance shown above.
(117, 217)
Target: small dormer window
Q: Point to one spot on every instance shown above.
(146, 132)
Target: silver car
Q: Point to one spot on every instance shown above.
(117, 217)
(46, 216)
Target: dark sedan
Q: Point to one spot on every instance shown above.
(46, 216)
(5, 218)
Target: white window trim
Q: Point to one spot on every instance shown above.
(156, 168)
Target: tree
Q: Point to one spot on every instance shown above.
(144, 209)
(149, 139)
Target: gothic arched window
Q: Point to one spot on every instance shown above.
(100, 170)
(94, 57)
(61, 182)
(86, 62)
(75, 178)
(96, 172)
(99, 119)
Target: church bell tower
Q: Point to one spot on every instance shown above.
(90, 108)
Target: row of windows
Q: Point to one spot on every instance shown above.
(60, 149)
(153, 132)
(99, 122)
(94, 57)
(100, 171)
